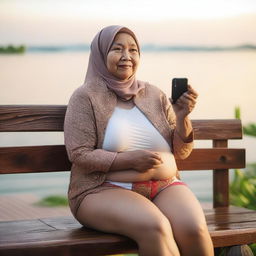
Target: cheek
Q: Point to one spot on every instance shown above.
(109, 66)
(136, 63)
(111, 61)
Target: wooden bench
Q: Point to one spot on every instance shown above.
(228, 225)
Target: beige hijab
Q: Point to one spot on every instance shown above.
(97, 67)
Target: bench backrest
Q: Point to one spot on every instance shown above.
(52, 158)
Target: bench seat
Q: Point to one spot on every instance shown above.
(65, 236)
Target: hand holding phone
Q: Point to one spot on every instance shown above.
(179, 86)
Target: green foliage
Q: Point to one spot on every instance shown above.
(53, 201)
(223, 251)
(237, 113)
(253, 248)
(12, 49)
(243, 188)
(250, 130)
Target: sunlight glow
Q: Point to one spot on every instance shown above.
(133, 9)
(176, 22)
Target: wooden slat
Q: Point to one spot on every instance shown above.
(231, 225)
(64, 235)
(58, 236)
(34, 159)
(51, 117)
(213, 158)
(17, 118)
(54, 158)
(220, 180)
(217, 129)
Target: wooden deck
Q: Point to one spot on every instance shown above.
(23, 207)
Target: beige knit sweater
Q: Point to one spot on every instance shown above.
(88, 112)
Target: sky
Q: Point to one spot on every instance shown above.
(186, 22)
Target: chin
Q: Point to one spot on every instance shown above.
(124, 77)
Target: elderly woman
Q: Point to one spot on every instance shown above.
(122, 136)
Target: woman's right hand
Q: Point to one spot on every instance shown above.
(138, 160)
(144, 160)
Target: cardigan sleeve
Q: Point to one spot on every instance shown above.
(80, 136)
(181, 149)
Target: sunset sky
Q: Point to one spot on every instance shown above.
(186, 22)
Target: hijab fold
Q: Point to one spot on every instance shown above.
(97, 67)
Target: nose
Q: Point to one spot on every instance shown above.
(125, 55)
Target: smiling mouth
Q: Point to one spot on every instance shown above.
(124, 66)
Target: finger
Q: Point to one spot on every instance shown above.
(189, 98)
(157, 163)
(153, 155)
(179, 103)
(154, 162)
(190, 104)
(186, 100)
(157, 157)
(185, 96)
(192, 91)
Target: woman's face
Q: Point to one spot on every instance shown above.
(123, 57)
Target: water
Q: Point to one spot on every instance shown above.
(223, 79)
(144, 48)
(41, 184)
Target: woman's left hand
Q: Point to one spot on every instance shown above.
(186, 103)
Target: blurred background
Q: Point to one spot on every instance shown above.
(45, 48)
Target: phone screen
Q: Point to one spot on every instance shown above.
(179, 86)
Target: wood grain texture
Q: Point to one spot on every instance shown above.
(34, 159)
(217, 129)
(221, 180)
(54, 158)
(213, 158)
(51, 118)
(65, 236)
(15, 118)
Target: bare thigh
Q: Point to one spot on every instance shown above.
(182, 209)
(119, 211)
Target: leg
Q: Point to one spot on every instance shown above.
(128, 213)
(187, 220)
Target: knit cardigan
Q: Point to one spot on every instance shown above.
(89, 109)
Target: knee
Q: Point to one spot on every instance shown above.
(196, 230)
(158, 226)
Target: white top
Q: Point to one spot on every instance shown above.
(129, 129)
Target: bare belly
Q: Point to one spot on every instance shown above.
(164, 171)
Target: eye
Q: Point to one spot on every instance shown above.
(117, 49)
(134, 50)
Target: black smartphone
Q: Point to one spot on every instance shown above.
(179, 86)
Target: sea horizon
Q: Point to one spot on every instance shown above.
(144, 48)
